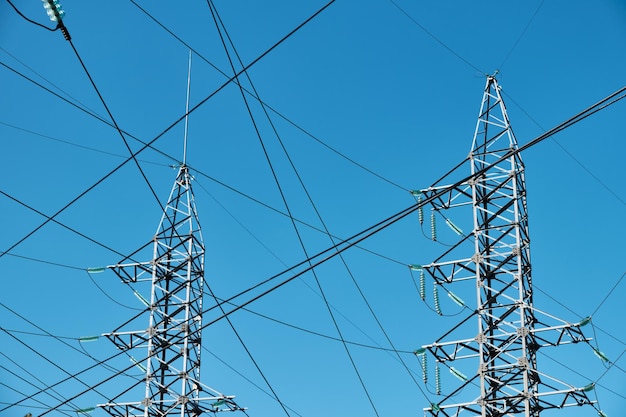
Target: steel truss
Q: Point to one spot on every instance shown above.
(173, 338)
(510, 329)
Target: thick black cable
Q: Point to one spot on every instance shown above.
(29, 20)
(117, 127)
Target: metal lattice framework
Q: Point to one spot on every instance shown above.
(172, 340)
(510, 329)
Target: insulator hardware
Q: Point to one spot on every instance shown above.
(456, 299)
(436, 300)
(454, 227)
(437, 379)
(422, 285)
(601, 355)
(458, 374)
(433, 226)
(420, 210)
(84, 339)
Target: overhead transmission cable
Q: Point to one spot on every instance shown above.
(57, 397)
(568, 153)
(313, 205)
(61, 25)
(506, 57)
(60, 339)
(435, 38)
(221, 31)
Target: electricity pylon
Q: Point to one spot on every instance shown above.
(493, 262)
(175, 275)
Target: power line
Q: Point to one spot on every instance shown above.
(436, 39)
(568, 153)
(521, 35)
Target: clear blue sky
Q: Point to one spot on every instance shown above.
(392, 85)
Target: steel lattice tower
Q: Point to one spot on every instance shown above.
(172, 340)
(493, 261)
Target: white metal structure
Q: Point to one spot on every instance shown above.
(493, 262)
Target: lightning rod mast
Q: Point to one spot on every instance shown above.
(172, 341)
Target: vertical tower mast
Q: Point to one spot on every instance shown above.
(495, 257)
(175, 277)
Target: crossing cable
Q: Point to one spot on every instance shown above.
(30, 374)
(265, 104)
(368, 232)
(274, 395)
(42, 404)
(246, 378)
(318, 214)
(67, 36)
(59, 367)
(72, 376)
(57, 338)
(170, 127)
(221, 27)
(52, 219)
